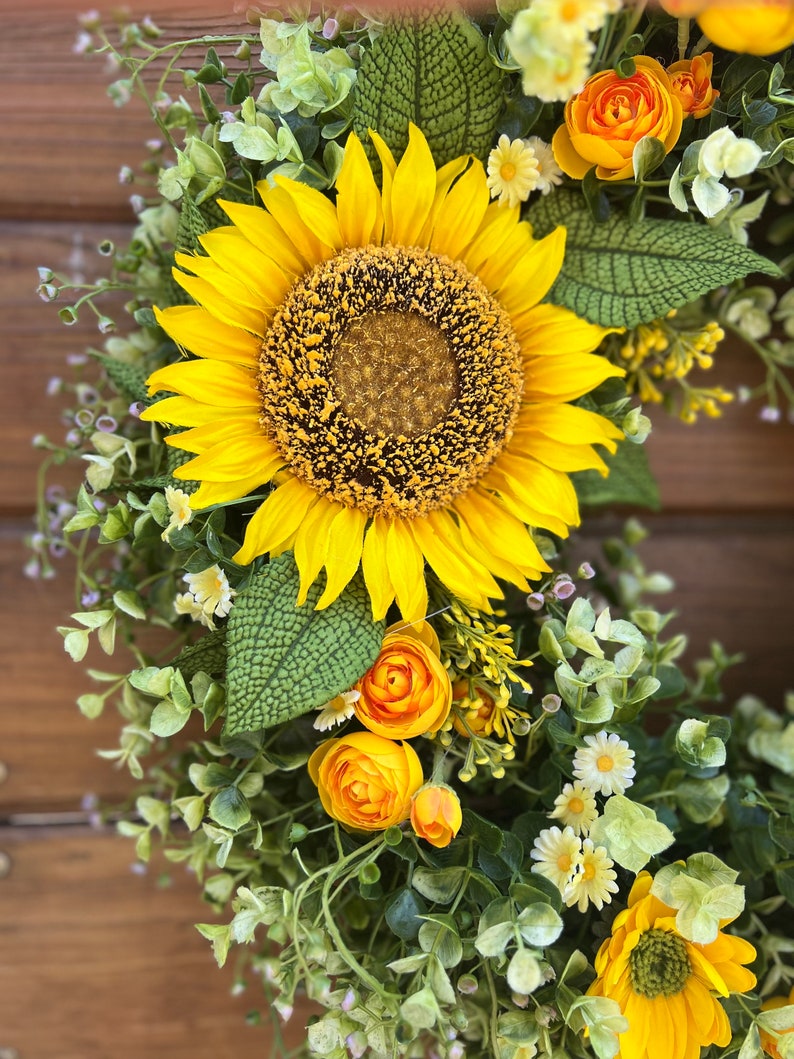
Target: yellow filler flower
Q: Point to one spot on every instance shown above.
(668, 987)
(385, 362)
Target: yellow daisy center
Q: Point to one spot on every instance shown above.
(575, 805)
(507, 171)
(589, 871)
(659, 964)
(390, 379)
(605, 763)
(564, 862)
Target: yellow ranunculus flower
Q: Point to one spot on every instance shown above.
(768, 1042)
(407, 692)
(364, 781)
(605, 121)
(761, 28)
(436, 815)
(691, 84)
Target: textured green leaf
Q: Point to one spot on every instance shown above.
(619, 274)
(434, 71)
(285, 660)
(630, 480)
(207, 655)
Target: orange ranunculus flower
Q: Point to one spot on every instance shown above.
(407, 692)
(436, 815)
(366, 782)
(768, 1042)
(761, 28)
(691, 84)
(605, 121)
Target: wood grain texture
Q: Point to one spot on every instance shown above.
(100, 963)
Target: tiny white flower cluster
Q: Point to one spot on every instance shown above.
(582, 871)
(208, 596)
(550, 40)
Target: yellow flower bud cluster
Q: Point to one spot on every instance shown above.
(659, 352)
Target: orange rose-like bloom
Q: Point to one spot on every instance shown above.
(364, 781)
(690, 80)
(407, 692)
(768, 1042)
(761, 28)
(606, 120)
(436, 815)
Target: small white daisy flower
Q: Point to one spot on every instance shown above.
(185, 603)
(211, 589)
(594, 880)
(181, 512)
(558, 854)
(512, 171)
(606, 764)
(550, 173)
(339, 709)
(575, 807)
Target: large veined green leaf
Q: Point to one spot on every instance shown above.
(434, 71)
(630, 480)
(285, 660)
(619, 274)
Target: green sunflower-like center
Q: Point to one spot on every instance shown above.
(659, 964)
(390, 379)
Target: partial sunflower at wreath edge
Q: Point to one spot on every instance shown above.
(385, 362)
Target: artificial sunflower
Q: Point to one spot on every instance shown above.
(667, 987)
(384, 362)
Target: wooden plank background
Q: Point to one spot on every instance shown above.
(96, 961)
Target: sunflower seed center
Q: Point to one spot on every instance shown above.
(659, 964)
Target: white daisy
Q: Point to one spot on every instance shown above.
(575, 807)
(594, 880)
(512, 171)
(606, 764)
(181, 512)
(558, 854)
(211, 589)
(550, 173)
(339, 709)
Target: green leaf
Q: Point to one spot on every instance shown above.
(630, 832)
(619, 274)
(207, 655)
(630, 480)
(229, 808)
(440, 887)
(220, 935)
(402, 914)
(285, 660)
(432, 70)
(168, 719)
(439, 935)
(493, 941)
(131, 603)
(540, 925)
(523, 972)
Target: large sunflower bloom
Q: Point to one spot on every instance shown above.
(385, 363)
(666, 986)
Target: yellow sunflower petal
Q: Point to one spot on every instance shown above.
(566, 377)
(406, 571)
(263, 233)
(497, 231)
(570, 424)
(283, 208)
(375, 567)
(535, 493)
(231, 251)
(316, 211)
(276, 520)
(499, 566)
(185, 412)
(506, 535)
(210, 493)
(311, 545)
(345, 539)
(358, 204)
(461, 212)
(445, 178)
(220, 279)
(244, 457)
(195, 329)
(220, 305)
(547, 329)
(388, 168)
(225, 385)
(530, 280)
(413, 190)
(200, 438)
(567, 458)
(438, 537)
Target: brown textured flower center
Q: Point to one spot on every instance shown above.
(659, 964)
(390, 379)
(394, 373)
